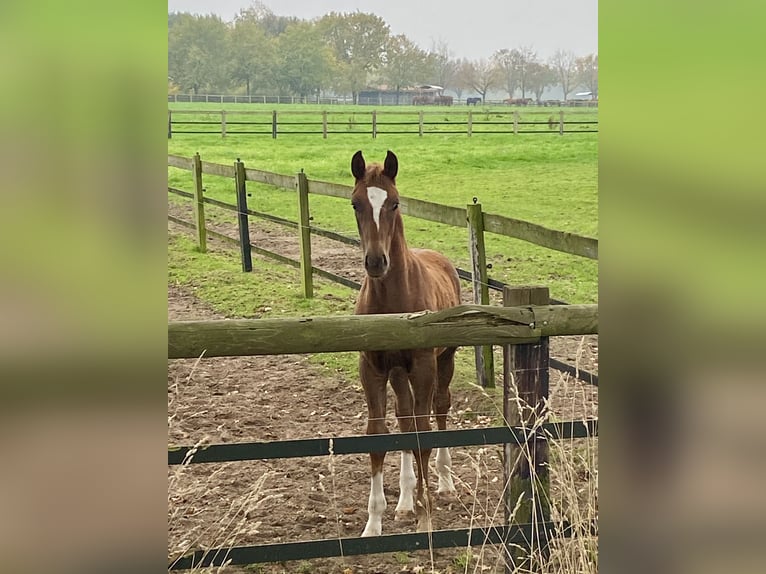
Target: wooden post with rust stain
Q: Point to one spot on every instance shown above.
(374, 124)
(199, 204)
(324, 124)
(223, 123)
(561, 122)
(485, 368)
(244, 227)
(525, 397)
(420, 123)
(304, 232)
(470, 123)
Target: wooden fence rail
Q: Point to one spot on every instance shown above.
(565, 242)
(465, 122)
(461, 325)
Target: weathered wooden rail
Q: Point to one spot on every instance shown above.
(462, 325)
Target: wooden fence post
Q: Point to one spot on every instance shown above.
(223, 123)
(324, 124)
(561, 122)
(244, 227)
(485, 368)
(525, 396)
(470, 123)
(420, 123)
(374, 124)
(304, 222)
(199, 204)
(515, 122)
(170, 124)
(274, 124)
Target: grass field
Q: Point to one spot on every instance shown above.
(546, 179)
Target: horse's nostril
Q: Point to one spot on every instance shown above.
(385, 261)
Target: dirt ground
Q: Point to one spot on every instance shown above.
(242, 399)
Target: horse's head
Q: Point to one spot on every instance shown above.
(376, 201)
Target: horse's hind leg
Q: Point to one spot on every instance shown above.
(404, 415)
(422, 377)
(445, 367)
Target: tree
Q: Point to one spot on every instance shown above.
(523, 58)
(303, 63)
(461, 80)
(271, 24)
(513, 68)
(481, 75)
(506, 70)
(440, 68)
(404, 63)
(197, 52)
(564, 66)
(252, 53)
(358, 41)
(539, 77)
(587, 73)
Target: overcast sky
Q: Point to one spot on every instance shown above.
(472, 29)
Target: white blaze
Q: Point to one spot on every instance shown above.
(376, 196)
(407, 483)
(375, 507)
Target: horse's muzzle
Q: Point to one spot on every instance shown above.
(376, 265)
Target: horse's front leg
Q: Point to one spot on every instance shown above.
(423, 379)
(374, 383)
(400, 382)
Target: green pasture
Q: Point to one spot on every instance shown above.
(546, 179)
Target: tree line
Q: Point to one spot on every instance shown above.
(343, 53)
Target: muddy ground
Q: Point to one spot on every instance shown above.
(242, 399)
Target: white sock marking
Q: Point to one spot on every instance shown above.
(375, 507)
(407, 483)
(377, 197)
(444, 470)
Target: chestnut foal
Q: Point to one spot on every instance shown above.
(401, 280)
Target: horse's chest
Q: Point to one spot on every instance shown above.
(385, 361)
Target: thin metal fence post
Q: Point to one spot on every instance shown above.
(244, 227)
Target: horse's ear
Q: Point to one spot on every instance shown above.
(391, 165)
(357, 165)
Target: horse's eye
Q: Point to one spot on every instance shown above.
(395, 206)
(355, 206)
